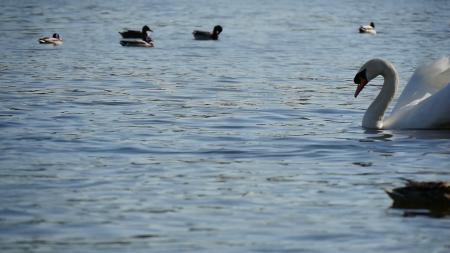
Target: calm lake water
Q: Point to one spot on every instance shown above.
(252, 143)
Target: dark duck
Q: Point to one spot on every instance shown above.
(133, 38)
(133, 34)
(204, 35)
(421, 195)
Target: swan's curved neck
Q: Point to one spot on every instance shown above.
(373, 118)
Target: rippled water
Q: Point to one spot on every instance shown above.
(252, 143)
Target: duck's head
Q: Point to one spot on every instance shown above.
(56, 36)
(217, 29)
(372, 24)
(146, 29)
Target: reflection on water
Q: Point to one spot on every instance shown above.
(380, 135)
(389, 135)
(433, 213)
(425, 134)
(252, 143)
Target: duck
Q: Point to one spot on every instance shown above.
(54, 40)
(144, 41)
(419, 195)
(133, 34)
(132, 38)
(204, 35)
(368, 28)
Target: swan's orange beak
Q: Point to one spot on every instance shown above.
(361, 80)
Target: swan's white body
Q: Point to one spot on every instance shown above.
(424, 103)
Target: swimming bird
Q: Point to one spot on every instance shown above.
(415, 194)
(368, 28)
(423, 104)
(137, 39)
(132, 34)
(54, 40)
(203, 35)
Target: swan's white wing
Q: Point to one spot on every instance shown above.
(430, 113)
(426, 81)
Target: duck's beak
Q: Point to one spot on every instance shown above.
(361, 80)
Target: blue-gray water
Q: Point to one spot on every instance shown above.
(252, 143)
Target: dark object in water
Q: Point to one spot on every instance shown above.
(132, 34)
(203, 35)
(422, 195)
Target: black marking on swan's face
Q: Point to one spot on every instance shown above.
(361, 80)
(359, 76)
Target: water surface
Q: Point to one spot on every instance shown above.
(252, 143)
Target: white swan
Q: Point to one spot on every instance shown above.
(424, 103)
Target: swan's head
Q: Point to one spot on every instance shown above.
(367, 72)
